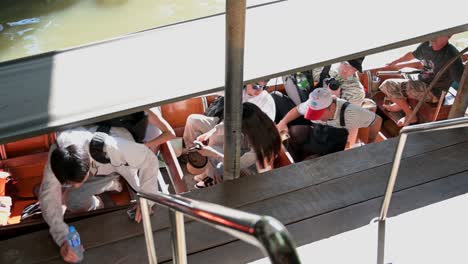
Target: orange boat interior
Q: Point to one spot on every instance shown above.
(25, 159)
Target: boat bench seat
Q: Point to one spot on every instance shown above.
(176, 113)
(26, 146)
(284, 158)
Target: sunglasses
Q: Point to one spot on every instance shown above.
(257, 86)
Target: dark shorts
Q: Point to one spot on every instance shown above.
(307, 140)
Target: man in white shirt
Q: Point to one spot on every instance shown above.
(74, 178)
(253, 93)
(323, 107)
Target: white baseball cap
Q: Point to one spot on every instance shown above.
(319, 100)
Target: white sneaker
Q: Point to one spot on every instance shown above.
(199, 177)
(207, 182)
(97, 203)
(114, 185)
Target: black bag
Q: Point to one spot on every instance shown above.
(325, 74)
(135, 123)
(216, 109)
(330, 139)
(283, 105)
(301, 95)
(296, 94)
(327, 139)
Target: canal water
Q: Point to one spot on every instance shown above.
(29, 27)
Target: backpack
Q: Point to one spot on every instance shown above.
(216, 108)
(135, 123)
(282, 104)
(328, 139)
(324, 74)
(298, 95)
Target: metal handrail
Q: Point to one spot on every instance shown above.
(404, 132)
(264, 232)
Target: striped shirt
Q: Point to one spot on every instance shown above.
(351, 88)
(355, 116)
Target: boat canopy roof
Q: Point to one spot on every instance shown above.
(102, 80)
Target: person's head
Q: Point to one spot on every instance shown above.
(261, 133)
(320, 105)
(439, 43)
(348, 68)
(70, 165)
(254, 89)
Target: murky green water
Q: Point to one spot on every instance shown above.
(29, 27)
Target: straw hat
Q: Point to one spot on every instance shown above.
(196, 163)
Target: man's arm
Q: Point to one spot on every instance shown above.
(50, 198)
(167, 133)
(290, 116)
(407, 57)
(456, 70)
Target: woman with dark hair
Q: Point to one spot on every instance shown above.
(260, 145)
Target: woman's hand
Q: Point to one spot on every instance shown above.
(208, 151)
(206, 136)
(266, 166)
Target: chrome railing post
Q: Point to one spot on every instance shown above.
(148, 231)
(276, 241)
(264, 232)
(393, 176)
(440, 125)
(179, 252)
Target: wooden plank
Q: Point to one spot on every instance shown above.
(175, 172)
(40, 93)
(342, 220)
(252, 189)
(310, 202)
(311, 172)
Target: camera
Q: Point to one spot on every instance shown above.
(197, 146)
(332, 83)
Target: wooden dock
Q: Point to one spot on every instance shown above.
(314, 199)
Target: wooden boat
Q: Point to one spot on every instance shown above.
(314, 199)
(25, 160)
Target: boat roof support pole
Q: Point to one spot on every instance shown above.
(461, 100)
(235, 39)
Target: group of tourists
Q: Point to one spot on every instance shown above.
(321, 112)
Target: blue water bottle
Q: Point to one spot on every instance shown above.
(75, 243)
